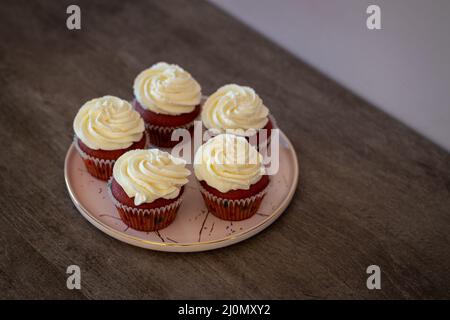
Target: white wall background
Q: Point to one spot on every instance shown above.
(403, 69)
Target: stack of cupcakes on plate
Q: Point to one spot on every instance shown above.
(146, 185)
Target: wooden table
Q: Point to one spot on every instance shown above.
(371, 190)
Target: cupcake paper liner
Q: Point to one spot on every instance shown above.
(146, 219)
(234, 210)
(99, 168)
(161, 136)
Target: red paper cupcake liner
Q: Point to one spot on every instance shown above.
(146, 219)
(99, 168)
(162, 136)
(234, 210)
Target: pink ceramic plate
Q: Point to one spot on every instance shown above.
(194, 229)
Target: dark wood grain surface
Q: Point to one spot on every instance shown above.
(371, 190)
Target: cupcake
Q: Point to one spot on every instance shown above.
(168, 98)
(105, 128)
(238, 110)
(147, 188)
(232, 177)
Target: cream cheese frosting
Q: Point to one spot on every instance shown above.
(228, 162)
(150, 174)
(167, 89)
(235, 109)
(108, 123)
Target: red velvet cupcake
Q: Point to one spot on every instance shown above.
(232, 177)
(238, 110)
(168, 98)
(105, 128)
(147, 188)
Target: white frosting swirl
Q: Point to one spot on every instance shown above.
(236, 109)
(167, 89)
(228, 162)
(150, 174)
(108, 123)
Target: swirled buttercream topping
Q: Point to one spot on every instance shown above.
(108, 123)
(150, 174)
(167, 89)
(236, 109)
(228, 162)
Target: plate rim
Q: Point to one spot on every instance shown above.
(193, 246)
